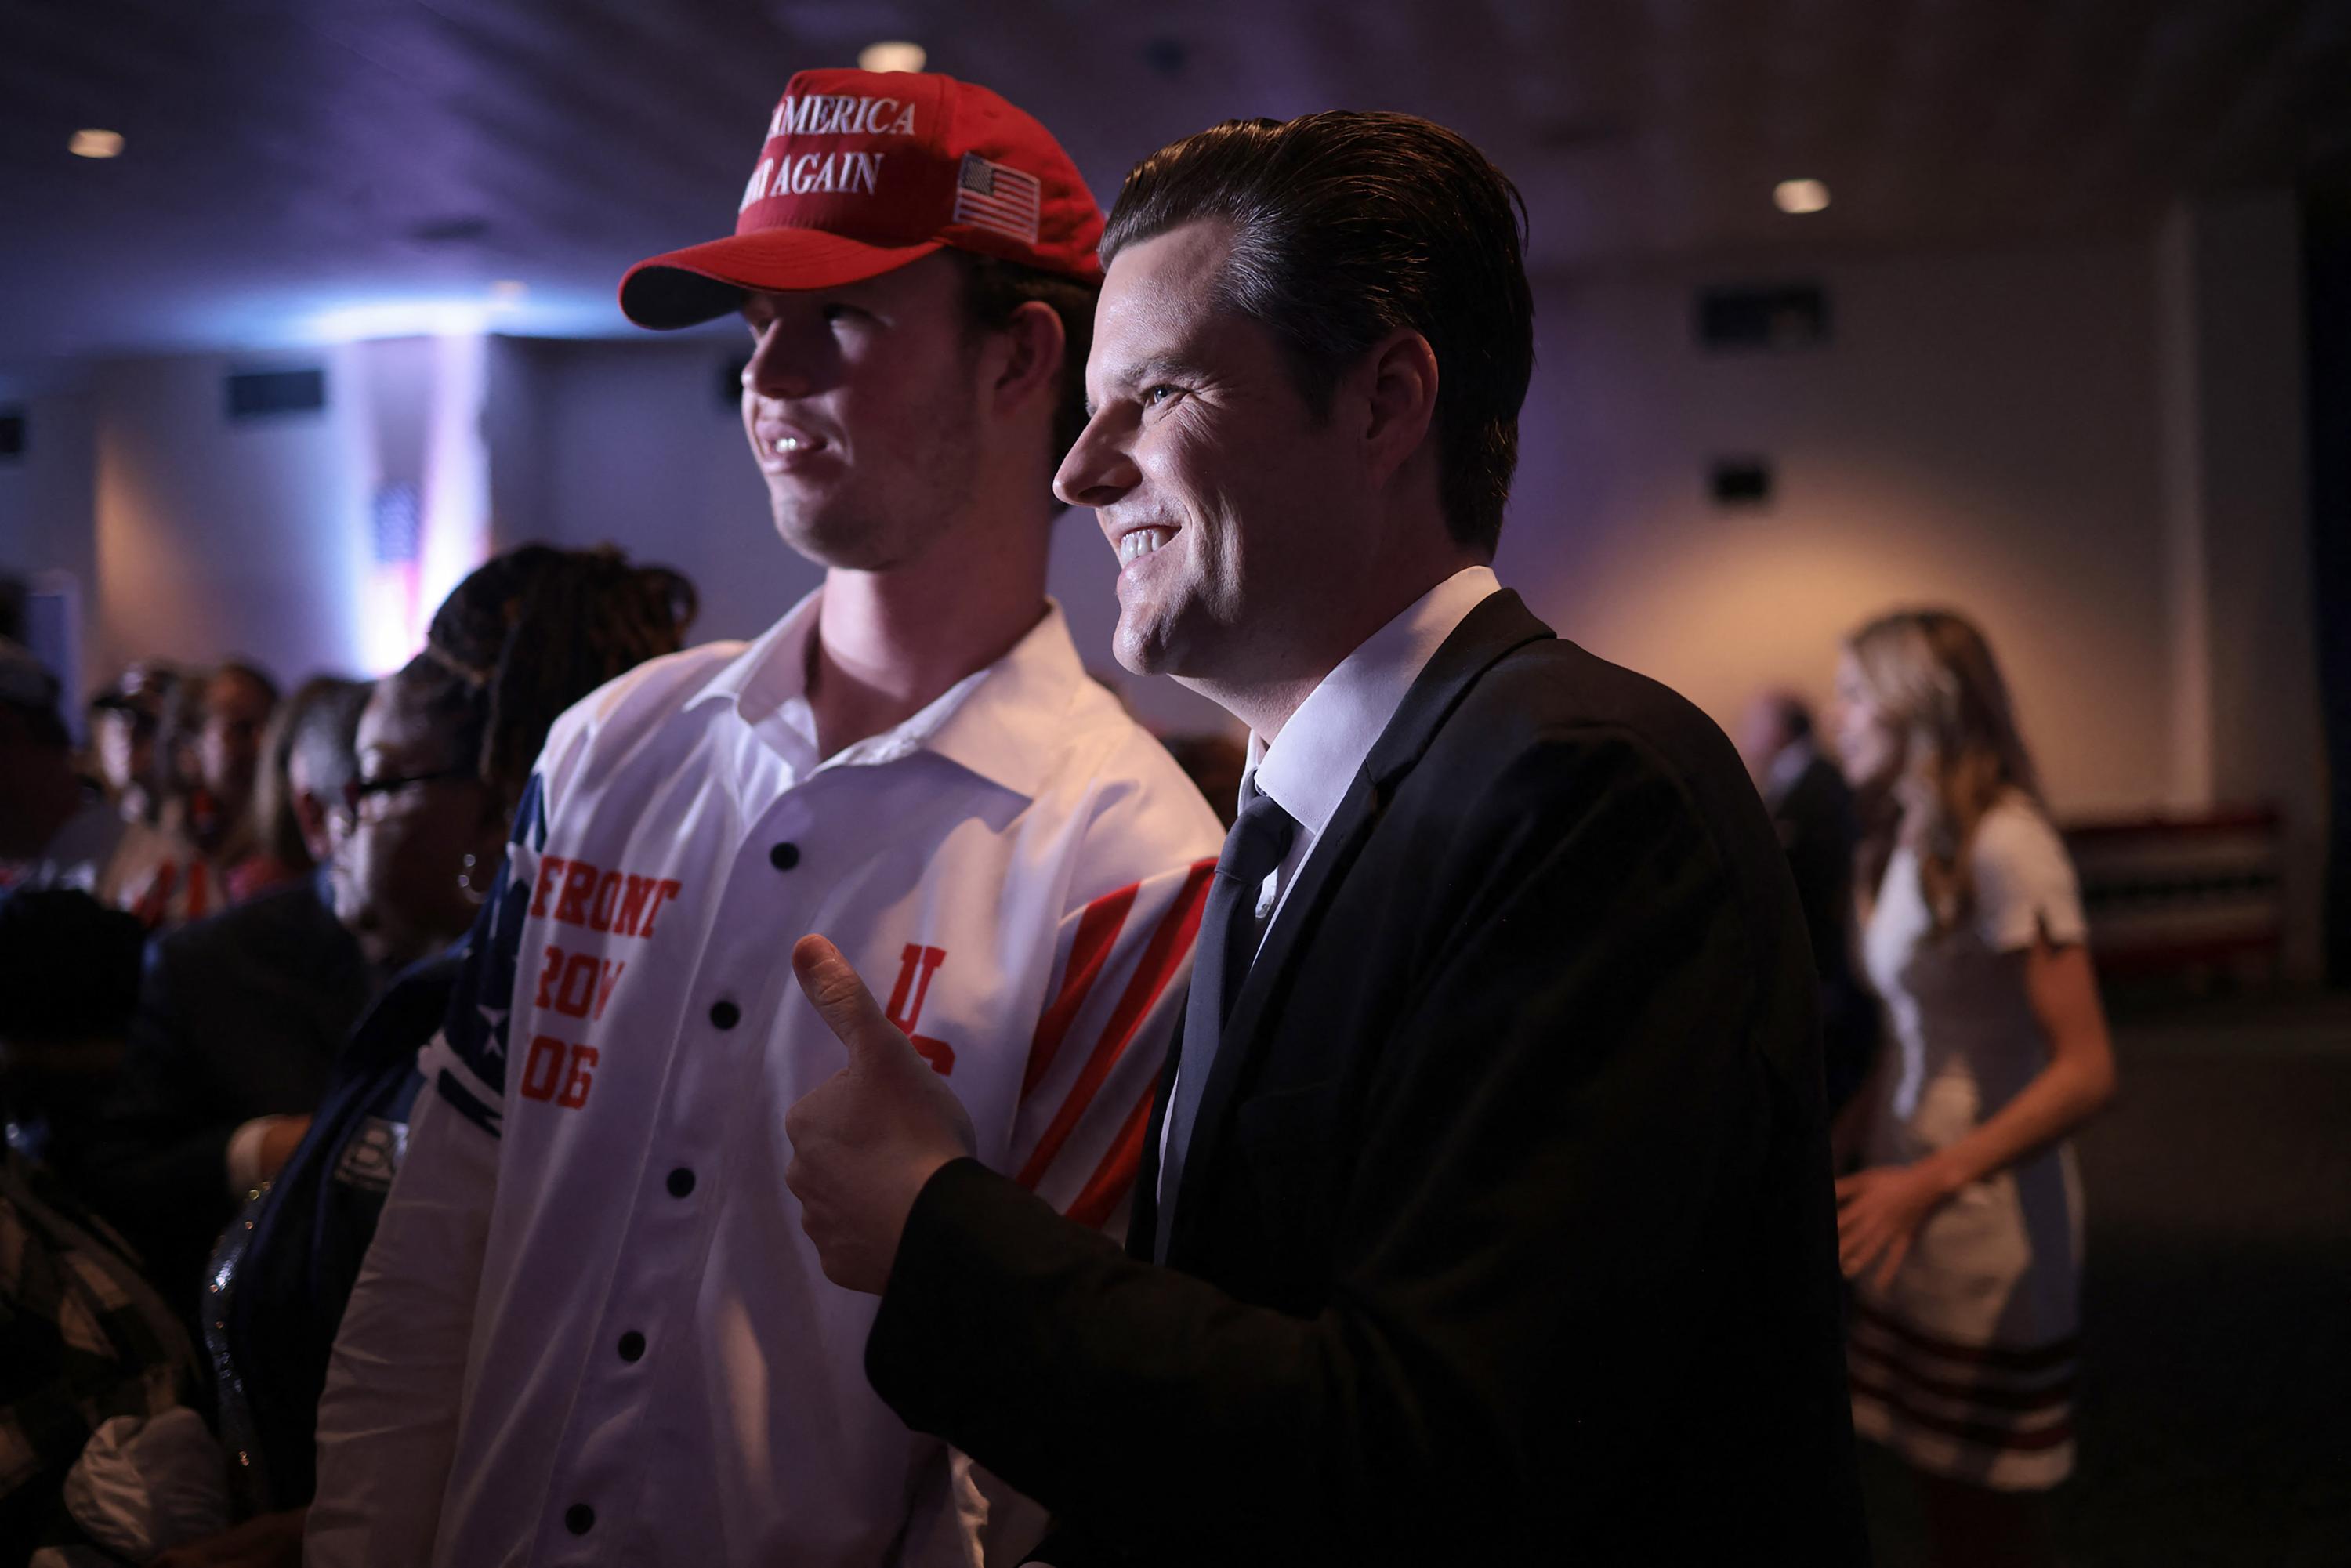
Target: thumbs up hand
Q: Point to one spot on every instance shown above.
(865, 1140)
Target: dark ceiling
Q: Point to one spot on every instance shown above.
(285, 161)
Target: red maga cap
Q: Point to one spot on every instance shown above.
(862, 171)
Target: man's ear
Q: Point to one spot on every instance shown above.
(1399, 400)
(1028, 360)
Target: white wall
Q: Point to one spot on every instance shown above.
(2096, 451)
(218, 538)
(46, 500)
(46, 493)
(1981, 433)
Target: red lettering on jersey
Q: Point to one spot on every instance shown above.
(549, 868)
(666, 888)
(579, 881)
(608, 895)
(633, 904)
(617, 901)
(577, 990)
(542, 1069)
(610, 978)
(916, 965)
(577, 1083)
(546, 978)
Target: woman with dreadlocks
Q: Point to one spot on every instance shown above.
(446, 750)
(1962, 1232)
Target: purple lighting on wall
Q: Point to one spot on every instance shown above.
(427, 469)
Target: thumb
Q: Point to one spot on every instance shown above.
(832, 986)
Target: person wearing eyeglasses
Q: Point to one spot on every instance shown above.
(416, 831)
(445, 751)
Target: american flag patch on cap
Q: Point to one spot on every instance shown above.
(995, 197)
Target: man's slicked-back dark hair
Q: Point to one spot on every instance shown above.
(1347, 225)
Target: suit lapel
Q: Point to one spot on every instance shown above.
(1501, 623)
(1143, 1218)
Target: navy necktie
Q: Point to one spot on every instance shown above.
(1227, 942)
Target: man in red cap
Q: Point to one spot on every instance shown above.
(591, 1328)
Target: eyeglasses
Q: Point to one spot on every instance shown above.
(369, 800)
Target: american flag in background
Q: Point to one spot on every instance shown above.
(389, 612)
(1000, 198)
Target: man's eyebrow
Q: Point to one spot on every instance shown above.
(1146, 373)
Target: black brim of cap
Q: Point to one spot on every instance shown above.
(668, 298)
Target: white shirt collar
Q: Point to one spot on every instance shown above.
(1310, 764)
(998, 722)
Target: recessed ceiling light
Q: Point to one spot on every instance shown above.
(894, 56)
(95, 144)
(1800, 195)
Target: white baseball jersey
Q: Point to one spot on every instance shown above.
(653, 1367)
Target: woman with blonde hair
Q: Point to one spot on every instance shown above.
(1962, 1230)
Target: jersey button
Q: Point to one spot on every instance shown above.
(633, 1346)
(783, 857)
(578, 1519)
(681, 1182)
(726, 1014)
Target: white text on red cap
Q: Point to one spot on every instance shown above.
(841, 114)
(850, 174)
(828, 114)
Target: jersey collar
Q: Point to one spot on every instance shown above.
(1002, 722)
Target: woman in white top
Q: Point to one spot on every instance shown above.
(1962, 1230)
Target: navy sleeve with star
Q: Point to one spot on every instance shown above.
(466, 1062)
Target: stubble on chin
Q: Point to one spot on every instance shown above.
(1145, 640)
(1134, 653)
(885, 517)
(832, 535)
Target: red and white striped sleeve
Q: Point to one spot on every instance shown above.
(1120, 971)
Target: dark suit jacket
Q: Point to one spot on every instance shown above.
(1506, 1235)
(1817, 828)
(239, 1015)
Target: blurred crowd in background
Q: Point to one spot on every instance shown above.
(229, 921)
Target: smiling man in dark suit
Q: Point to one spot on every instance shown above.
(1486, 1213)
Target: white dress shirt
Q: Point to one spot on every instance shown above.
(1309, 767)
(591, 1328)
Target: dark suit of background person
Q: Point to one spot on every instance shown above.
(1506, 1232)
(240, 1016)
(1813, 811)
